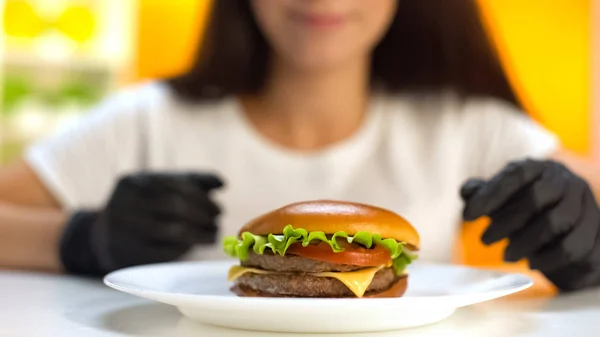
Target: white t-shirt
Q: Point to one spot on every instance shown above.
(411, 156)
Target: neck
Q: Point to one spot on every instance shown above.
(308, 110)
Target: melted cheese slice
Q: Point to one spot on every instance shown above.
(357, 281)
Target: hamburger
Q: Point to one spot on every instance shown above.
(329, 249)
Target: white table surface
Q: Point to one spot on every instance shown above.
(47, 305)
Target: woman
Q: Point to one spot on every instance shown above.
(393, 103)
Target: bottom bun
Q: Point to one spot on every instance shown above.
(397, 289)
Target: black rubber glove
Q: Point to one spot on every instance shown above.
(149, 218)
(549, 215)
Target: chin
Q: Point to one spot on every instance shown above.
(321, 59)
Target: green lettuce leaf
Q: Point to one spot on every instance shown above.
(279, 244)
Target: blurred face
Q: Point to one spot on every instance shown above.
(323, 33)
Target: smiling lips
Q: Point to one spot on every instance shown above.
(319, 20)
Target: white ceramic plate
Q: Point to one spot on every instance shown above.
(201, 292)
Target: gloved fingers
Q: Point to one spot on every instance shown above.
(185, 233)
(207, 182)
(550, 258)
(577, 244)
(545, 227)
(501, 188)
(173, 230)
(509, 219)
(573, 277)
(127, 254)
(164, 194)
(470, 187)
(137, 189)
(148, 181)
(205, 233)
(568, 249)
(579, 275)
(586, 235)
(186, 206)
(190, 183)
(519, 210)
(205, 203)
(191, 204)
(162, 183)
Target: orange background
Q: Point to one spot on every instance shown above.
(544, 46)
(168, 35)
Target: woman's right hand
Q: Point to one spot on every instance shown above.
(149, 218)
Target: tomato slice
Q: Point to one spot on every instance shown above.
(352, 254)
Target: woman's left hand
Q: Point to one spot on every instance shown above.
(548, 214)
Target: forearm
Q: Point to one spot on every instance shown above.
(30, 237)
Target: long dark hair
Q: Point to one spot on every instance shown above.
(431, 45)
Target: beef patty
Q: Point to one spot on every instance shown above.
(293, 264)
(306, 285)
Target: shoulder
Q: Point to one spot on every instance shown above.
(126, 104)
(140, 97)
(139, 94)
(450, 102)
(155, 101)
(451, 109)
(480, 109)
(467, 119)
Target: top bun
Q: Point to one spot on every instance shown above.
(333, 216)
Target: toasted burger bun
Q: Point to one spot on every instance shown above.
(397, 289)
(333, 216)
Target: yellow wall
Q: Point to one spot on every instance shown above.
(168, 34)
(545, 46)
